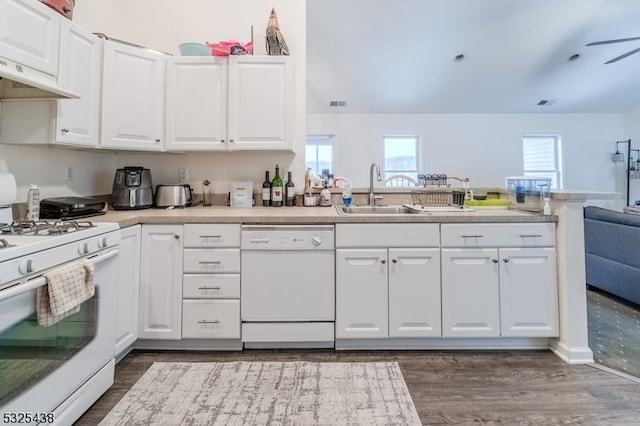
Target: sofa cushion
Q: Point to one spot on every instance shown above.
(606, 215)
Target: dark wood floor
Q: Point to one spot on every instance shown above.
(462, 387)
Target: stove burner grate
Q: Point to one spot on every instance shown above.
(42, 227)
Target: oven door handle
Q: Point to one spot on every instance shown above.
(40, 281)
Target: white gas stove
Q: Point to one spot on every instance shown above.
(63, 386)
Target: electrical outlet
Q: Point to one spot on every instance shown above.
(183, 175)
(69, 173)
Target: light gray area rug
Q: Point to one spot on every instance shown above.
(267, 393)
(614, 332)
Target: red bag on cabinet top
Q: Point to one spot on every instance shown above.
(64, 7)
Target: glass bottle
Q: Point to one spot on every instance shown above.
(266, 190)
(276, 189)
(289, 190)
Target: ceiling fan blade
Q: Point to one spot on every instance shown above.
(617, 40)
(617, 58)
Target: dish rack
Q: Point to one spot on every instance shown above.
(435, 190)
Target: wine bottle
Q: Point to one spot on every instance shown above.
(289, 190)
(266, 190)
(276, 189)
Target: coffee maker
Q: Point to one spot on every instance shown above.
(132, 189)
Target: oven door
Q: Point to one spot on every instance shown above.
(40, 367)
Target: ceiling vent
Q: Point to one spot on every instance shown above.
(338, 104)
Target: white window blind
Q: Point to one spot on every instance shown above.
(541, 157)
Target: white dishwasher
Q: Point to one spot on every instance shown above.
(287, 285)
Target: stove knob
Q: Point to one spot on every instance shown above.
(83, 248)
(102, 242)
(26, 266)
(316, 240)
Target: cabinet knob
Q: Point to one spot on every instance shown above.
(494, 260)
(221, 140)
(231, 140)
(65, 130)
(157, 140)
(383, 261)
(505, 260)
(176, 236)
(394, 260)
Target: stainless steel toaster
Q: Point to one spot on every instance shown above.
(178, 195)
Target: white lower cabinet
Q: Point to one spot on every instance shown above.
(128, 288)
(470, 293)
(387, 291)
(161, 282)
(528, 292)
(499, 280)
(211, 282)
(361, 293)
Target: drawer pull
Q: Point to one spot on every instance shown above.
(531, 235)
(210, 236)
(209, 322)
(210, 262)
(209, 288)
(472, 236)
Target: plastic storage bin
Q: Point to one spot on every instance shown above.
(527, 192)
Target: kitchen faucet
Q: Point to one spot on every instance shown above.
(372, 196)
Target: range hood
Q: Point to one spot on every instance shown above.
(40, 85)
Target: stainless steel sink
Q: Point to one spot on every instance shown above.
(375, 210)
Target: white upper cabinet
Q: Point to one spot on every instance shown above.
(261, 103)
(74, 122)
(78, 120)
(29, 34)
(132, 98)
(235, 103)
(196, 114)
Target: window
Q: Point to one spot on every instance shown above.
(401, 156)
(319, 154)
(541, 157)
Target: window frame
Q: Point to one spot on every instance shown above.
(556, 173)
(417, 141)
(324, 139)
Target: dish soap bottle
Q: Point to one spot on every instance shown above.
(325, 197)
(546, 210)
(33, 203)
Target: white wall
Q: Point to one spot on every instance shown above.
(483, 147)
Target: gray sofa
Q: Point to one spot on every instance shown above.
(612, 252)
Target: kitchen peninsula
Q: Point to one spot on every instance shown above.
(568, 341)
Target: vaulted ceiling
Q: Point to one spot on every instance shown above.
(402, 56)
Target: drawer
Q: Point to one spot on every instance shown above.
(498, 235)
(211, 260)
(211, 286)
(212, 235)
(388, 235)
(211, 319)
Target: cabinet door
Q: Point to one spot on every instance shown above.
(261, 103)
(361, 293)
(528, 292)
(80, 61)
(470, 293)
(161, 282)
(196, 112)
(132, 98)
(414, 293)
(128, 288)
(29, 34)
